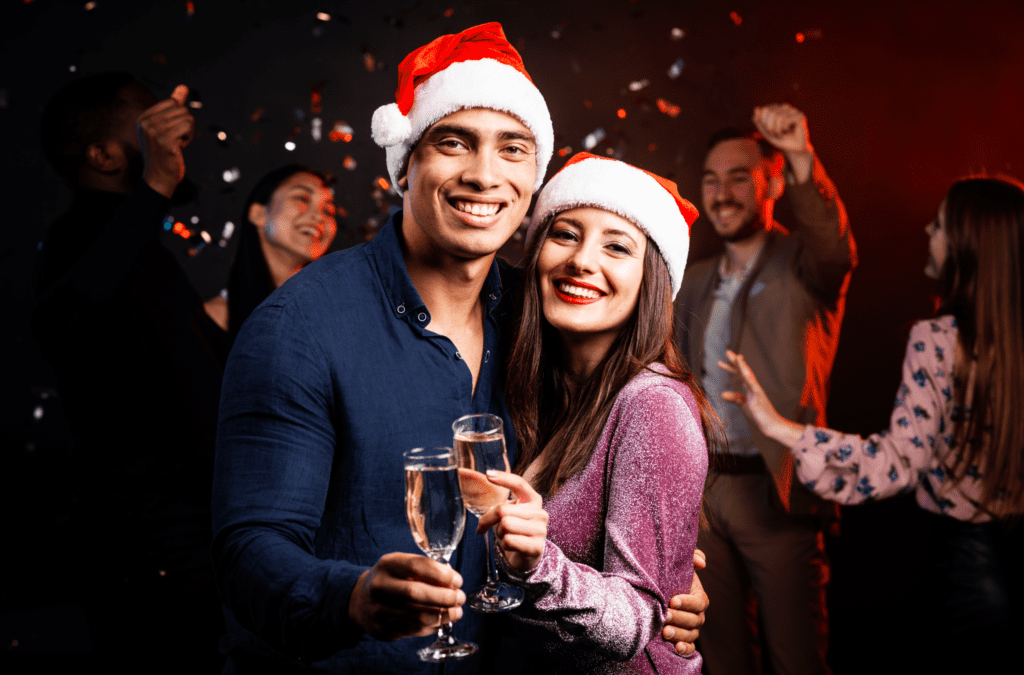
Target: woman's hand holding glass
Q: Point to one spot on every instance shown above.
(520, 525)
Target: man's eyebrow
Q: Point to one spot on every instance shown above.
(517, 136)
(468, 132)
(303, 188)
(454, 129)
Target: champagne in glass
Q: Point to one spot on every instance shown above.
(437, 518)
(480, 447)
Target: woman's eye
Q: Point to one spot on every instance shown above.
(564, 235)
(619, 248)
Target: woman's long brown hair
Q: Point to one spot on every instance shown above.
(547, 412)
(981, 278)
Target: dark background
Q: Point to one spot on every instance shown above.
(901, 97)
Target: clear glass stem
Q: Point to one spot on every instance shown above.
(492, 564)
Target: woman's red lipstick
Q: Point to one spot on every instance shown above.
(573, 299)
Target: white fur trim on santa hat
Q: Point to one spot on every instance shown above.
(626, 191)
(484, 83)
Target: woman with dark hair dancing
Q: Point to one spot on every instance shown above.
(957, 432)
(610, 426)
(288, 222)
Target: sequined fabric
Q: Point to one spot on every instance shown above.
(620, 544)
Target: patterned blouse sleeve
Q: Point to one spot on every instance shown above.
(849, 469)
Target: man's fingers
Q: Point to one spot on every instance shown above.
(700, 561)
(179, 94)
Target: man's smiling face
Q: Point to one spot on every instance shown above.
(469, 182)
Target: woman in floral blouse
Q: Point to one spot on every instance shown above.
(957, 433)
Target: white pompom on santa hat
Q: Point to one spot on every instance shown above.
(476, 68)
(650, 202)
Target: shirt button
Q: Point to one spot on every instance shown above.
(458, 355)
(400, 309)
(422, 316)
(493, 296)
(487, 356)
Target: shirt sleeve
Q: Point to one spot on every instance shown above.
(849, 469)
(275, 448)
(829, 252)
(658, 464)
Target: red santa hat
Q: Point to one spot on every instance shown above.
(476, 68)
(650, 202)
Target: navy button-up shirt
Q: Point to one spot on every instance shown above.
(331, 380)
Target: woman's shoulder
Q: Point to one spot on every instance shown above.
(655, 386)
(940, 331)
(939, 327)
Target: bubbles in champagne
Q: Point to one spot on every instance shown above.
(434, 508)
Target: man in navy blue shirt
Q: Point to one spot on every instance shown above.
(368, 353)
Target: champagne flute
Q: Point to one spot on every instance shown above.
(437, 517)
(480, 447)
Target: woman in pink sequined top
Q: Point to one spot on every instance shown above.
(610, 426)
(956, 435)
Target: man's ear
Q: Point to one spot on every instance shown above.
(258, 214)
(106, 157)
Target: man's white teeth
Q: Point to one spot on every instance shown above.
(477, 209)
(578, 291)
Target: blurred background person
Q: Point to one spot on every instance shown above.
(139, 359)
(780, 297)
(956, 435)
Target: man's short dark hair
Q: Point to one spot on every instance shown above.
(82, 112)
(769, 152)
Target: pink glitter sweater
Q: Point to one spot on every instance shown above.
(620, 544)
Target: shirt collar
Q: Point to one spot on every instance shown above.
(403, 297)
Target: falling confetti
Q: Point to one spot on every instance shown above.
(194, 219)
(562, 152)
(593, 138)
(652, 147)
(190, 9)
(349, 163)
(587, 103)
(369, 60)
(800, 37)
(72, 68)
(89, 6)
(670, 109)
(258, 113)
(168, 223)
(300, 114)
(314, 97)
(38, 412)
(638, 85)
(229, 229)
(448, 13)
(323, 16)
(621, 112)
(341, 131)
(222, 136)
(316, 129)
(676, 69)
(383, 183)
(678, 34)
(736, 18)
(289, 145)
(206, 236)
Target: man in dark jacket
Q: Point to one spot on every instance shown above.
(139, 365)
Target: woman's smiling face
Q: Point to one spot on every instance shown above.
(590, 268)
